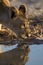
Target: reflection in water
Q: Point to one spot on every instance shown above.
(17, 56)
(4, 48)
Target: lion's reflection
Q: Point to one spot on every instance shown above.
(17, 56)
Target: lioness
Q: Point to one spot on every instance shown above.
(16, 20)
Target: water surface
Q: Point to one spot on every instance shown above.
(35, 55)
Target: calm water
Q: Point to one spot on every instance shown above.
(31, 56)
(35, 55)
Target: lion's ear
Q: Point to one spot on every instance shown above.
(22, 9)
(14, 12)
